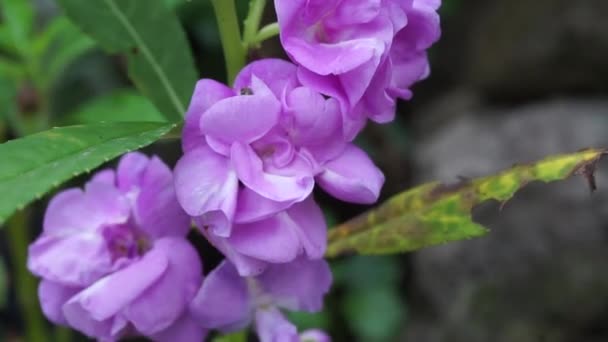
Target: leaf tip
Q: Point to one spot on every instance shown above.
(586, 168)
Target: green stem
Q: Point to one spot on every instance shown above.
(25, 283)
(252, 23)
(266, 32)
(63, 334)
(234, 51)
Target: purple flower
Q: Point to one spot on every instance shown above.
(113, 258)
(253, 151)
(280, 238)
(365, 53)
(229, 302)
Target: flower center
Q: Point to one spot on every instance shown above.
(124, 241)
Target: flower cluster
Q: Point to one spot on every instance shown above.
(114, 258)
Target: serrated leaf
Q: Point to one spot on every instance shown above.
(435, 213)
(123, 105)
(35, 164)
(159, 57)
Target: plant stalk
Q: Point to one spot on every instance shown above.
(230, 35)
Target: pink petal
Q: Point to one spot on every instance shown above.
(207, 186)
(272, 240)
(278, 74)
(245, 265)
(130, 169)
(272, 326)
(223, 302)
(162, 304)
(299, 285)
(157, 210)
(309, 224)
(278, 188)
(352, 177)
(252, 207)
(72, 259)
(242, 118)
(52, 297)
(184, 329)
(108, 296)
(206, 93)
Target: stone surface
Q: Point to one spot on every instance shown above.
(540, 275)
(522, 49)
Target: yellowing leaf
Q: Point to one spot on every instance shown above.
(436, 213)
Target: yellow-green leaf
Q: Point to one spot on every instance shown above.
(436, 213)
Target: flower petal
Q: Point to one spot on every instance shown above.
(245, 265)
(206, 93)
(52, 297)
(130, 169)
(223, 302)
(157, 210)
(272, 326)
(309, 224)
(253, 207)
(243, 118)
(162, 304)
(352, 177)
(75, 211)
(72, 259)
(272, 240)
(278, 74)
(299, 285)
(317, 123)
(278, 188)
(205, 184)
(111, 294)
(184, 329)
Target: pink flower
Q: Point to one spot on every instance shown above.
(113, 258)
(365, 53)
(252, 155)
(228, 302)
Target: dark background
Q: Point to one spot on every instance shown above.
(512, 81)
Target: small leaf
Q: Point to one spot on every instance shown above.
(124, 105)
(160, 60)
(18, 16)
(435, 213)
(59, 45)
(37, 163)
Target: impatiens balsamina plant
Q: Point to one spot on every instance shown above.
(114, 259)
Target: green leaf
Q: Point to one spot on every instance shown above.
(35, 164)
(18, 16)
(122, 105)
(159, 57)
(435, 213)
(60, 44)
(376, 314)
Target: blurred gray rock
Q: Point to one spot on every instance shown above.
(523, 49)
(542, 272)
